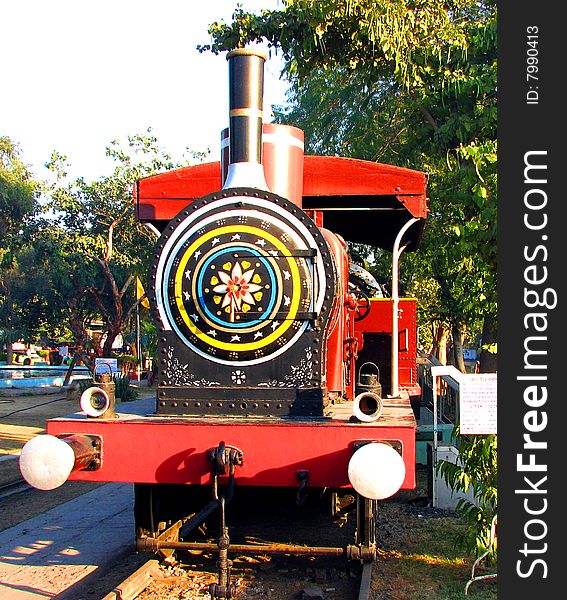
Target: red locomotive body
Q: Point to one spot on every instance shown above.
(275, 367)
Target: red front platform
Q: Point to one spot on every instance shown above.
(150, 449)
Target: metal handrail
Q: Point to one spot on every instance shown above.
(452, 376)
(396, 254)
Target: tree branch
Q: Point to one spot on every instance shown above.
(428, 117)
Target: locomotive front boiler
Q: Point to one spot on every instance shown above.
(244, 291)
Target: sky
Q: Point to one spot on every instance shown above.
(78, 74)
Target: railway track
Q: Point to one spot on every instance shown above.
(278, 577)
(136, 583)
(13, 487)
(155, 580)
(262, 564)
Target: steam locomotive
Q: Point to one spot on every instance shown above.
(280, 363)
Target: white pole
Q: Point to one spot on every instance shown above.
(396, 253)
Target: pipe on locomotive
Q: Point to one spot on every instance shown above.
(47, 461)
(246, 101)
(367, 407)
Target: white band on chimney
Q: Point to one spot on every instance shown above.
(246, 174)
(246, 112)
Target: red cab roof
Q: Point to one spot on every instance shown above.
(363, 201)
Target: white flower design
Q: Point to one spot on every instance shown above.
(237, 289)
(238, 377)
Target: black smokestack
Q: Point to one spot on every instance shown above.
(246, 98)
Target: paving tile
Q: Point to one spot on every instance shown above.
(43, 556)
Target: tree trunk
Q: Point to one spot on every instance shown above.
(110, 337)
(458, 348)
(488, 360)
(439, 350)
(9, 354)
(78, 355)
(70, 370)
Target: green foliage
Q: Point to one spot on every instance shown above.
(478, 471)
(127, 363)
(409, 40)
(123, 389)
(412, 83)
(21, 277)
(148, 338)
(18, 193)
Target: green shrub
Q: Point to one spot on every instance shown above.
(478, 470)
(83, 384)
(123, 389)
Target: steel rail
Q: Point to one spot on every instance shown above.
(14, 487)
(365, 580)
(134, 584)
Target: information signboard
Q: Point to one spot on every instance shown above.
(102, 364)
(477, 394)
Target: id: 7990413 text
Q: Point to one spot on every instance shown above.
(532, 64)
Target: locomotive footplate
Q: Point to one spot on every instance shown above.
(145, 448)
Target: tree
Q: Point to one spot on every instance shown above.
(18, 204)
(412, 82)
(477, 470)
(18, 193)
(102, 246)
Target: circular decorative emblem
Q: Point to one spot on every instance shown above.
(239, 279)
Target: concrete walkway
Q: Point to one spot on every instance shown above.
(46, 555)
